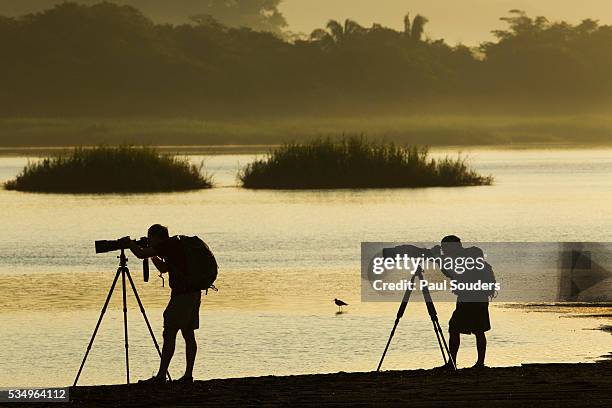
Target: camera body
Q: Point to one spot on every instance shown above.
(103, 246)
(411, 251)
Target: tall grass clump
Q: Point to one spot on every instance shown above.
(355, 162)
(105, 169)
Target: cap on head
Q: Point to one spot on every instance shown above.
(451, 238)
(451, 245)
(158, 231)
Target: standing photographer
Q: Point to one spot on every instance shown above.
(471, 315)
(182, 312)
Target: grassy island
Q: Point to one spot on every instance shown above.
(356, 162)
(103, 169)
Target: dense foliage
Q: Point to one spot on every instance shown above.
(106, 59)
(260, 15)
(356, 163)
(102, 169)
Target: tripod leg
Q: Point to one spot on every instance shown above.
(93, 336)
(431, 309)
(125, 327)
(400, 314)
(439, 341)
(142, 310)
(450, 357)
(388, 343)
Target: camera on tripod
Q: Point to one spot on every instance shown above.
(103, 246)
(123, 272)
(412, 251)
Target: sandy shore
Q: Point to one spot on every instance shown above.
(533, 385)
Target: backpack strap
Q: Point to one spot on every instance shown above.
(175, 269)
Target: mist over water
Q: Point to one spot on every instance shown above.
(284, 256)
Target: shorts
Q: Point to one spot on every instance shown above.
(183, 311)
(470, 317)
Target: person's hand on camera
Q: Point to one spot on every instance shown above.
(436, 251)
(125, 241)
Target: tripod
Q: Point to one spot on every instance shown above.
(122, 271)
(431, 309)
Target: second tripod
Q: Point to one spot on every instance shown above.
(124, 272)
(431, 309)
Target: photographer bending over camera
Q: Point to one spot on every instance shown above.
(471, 315)
(182, 312)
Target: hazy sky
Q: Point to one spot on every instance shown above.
(466, 21)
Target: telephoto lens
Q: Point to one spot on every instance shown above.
(103, 246)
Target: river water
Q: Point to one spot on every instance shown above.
(284, 256)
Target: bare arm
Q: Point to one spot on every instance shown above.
(160, 264)
(140, 253)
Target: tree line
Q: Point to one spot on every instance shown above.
(108, 59)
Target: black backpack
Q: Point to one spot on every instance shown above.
(201, 263)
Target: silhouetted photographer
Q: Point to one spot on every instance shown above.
(472, 281)
(471, 315)
(191, 268)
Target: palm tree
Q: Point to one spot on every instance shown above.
(414, 31)
(336, 32)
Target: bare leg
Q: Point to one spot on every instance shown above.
(167, 351)
(191, 348)
(481, 346)
(453, 344)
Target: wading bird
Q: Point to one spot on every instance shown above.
(340, 303)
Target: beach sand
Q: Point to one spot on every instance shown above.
(534, 385)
